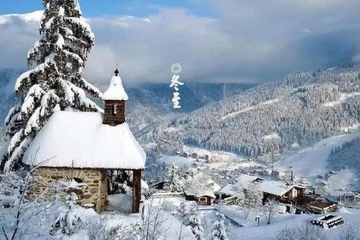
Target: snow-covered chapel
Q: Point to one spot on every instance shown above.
(83, 146)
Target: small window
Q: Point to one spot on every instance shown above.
(115, 109)
(78, 180)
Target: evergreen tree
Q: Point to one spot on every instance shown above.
(69, 218)
(219, 232)
(182, 213)
(194, 222)
(174, 178)
(55, 83)
(253, 196)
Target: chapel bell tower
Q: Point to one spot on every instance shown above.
(115, 97)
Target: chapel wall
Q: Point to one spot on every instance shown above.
(94, 192)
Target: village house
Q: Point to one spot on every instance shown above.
(271, 189)
(199, 188)
(185, 154)
(321, 206)
(350, 197)
(227, 191)
(83, 146)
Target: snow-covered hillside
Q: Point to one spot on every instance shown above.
(7, 96)
(302, 108)
(313, 165)
(149, 104)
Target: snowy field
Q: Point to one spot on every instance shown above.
(311, 162)
(281, 221)
(220, 160)
(249, 229)
(178, 161)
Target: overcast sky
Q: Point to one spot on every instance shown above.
(243, 41)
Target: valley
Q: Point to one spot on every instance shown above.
(180, 120)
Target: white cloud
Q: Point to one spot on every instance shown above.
(306, 30)
(250, 41)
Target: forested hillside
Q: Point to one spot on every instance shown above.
(7, 97)
(149, 105)
(301, 108)
(346, 156)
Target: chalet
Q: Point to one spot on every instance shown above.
(321, 206)
(191, 172)
(229, 190)
(271, 189)
(83, 146)
(199, 188)
(162, 185)
(185, 154)
(350, 197)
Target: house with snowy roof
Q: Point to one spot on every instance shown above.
(229, 190)
(199, 188)
(272, 189)
(83, 146)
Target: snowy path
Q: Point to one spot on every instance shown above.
(233, 114)
(232, 221)
(342, 99)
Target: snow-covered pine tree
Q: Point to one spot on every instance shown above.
(69, 218)
(195, 223)
(253, 196)
(219, 231)
(55, 83)
(181, 213)
(174, 178)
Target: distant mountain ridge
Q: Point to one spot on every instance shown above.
(148, 104)
(7, 96)
(301, 109)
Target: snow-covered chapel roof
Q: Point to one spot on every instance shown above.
(79, 139)
(116, 90)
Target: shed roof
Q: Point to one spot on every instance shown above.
(277, 188)
(199, 185)
(80, 140)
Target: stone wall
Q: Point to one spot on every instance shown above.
(94, 192)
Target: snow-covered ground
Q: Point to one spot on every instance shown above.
(311, 162)
(340, 182)
(343, 97)
(178, 161)
(219, 160)
(251, 231)
(222, 160)
(247, 229)
(271, 136)
(281, 221)
(233, 114)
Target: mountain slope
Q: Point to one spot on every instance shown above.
(346, 156)
(149, 104)
(7, 97)
(302, 108)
